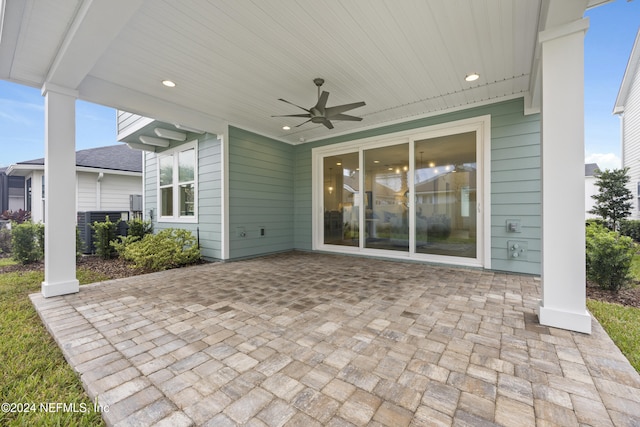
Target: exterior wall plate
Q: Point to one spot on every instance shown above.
(514, 226)
(517, 250)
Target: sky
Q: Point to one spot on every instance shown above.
(608, 44)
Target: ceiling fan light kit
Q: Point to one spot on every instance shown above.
(320, 113)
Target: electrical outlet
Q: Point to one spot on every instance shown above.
(514, 226)
(517, 250)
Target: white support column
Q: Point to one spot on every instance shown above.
(60, 195)
(563, 302)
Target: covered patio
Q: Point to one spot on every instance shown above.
(313, 339)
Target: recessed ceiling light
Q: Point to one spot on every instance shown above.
(285, 127)
(472, 77)
(168, 83)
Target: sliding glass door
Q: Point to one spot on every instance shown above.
(386, 198)
(341, 195)
(445, 195)
(415, 196)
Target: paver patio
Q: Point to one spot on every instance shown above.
(312, 339)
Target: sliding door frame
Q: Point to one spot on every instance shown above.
(481, 125)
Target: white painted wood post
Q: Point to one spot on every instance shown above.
(563, 302)
(60, 195)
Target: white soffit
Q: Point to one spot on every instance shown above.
(232, 60)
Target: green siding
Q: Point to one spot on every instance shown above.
(209, 195)
(260, 194)
(515, 178)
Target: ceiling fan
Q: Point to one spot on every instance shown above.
(320, 113)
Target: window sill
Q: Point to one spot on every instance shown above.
(183, 220)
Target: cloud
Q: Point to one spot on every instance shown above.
(604, 160)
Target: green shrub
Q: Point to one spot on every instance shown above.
(631, 228)
(609, 257)
(139, 228)
(79, 244)
(105, 233)
(27, 242)
(5, 240)
(597, 221)
(169, 248)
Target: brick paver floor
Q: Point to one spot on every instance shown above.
(302, 339)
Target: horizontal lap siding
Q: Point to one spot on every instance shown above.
(86, 185)
(260, 194)
(516, 188)
(515, 178)
(631, 140)
(116, 189)
(209, 225)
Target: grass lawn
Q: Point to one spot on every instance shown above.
(33, 368)
(622, 324)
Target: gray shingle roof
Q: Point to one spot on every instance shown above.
(116, 157)
(590, 169)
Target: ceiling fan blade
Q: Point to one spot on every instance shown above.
(346, 117)
(327, 124)
(297, 126)
(294, 115)
(322, 100)
(296, 105)
(333, 111)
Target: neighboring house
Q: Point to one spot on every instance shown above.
(493, 94)
(590, 188)
(11, 192)
(106, 178)
(627, 107)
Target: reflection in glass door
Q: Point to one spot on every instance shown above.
(341, 199)
(386, 197)
(445, 195)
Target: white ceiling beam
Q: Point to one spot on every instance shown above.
(143, 147)
(95, 26)
(170, 134)
(152, 140)
(188, 129)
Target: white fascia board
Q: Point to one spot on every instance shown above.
(107, 171)
(22, 170)
(629, 74)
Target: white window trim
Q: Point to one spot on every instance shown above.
(176, 198)
(481, 125)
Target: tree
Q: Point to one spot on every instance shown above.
(613, 198)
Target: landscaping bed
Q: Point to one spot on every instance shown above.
(629, 297)
(113, 268)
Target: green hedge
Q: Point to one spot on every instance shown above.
(608, 256)
(631, 228)
(27, 242)
(169, 248)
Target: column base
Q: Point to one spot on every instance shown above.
(578, 322)
(61, 288)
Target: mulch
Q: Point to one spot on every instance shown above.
(113, 268)
(118, 268)
(628, 296)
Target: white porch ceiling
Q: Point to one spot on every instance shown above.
(233, 59)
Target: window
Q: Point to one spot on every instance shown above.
(177, 184)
